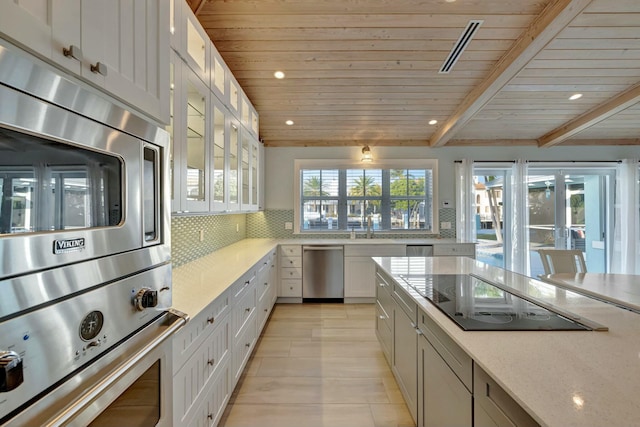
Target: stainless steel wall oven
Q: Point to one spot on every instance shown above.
(85, 273)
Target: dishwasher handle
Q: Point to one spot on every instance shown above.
(322, 248)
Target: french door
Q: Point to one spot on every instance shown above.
(570, 208)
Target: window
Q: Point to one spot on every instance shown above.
(396, 197)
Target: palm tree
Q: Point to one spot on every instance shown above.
(313, 188)
(366, 186)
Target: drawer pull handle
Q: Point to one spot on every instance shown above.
(99, 68)
(291, 261)
(266, 283)
(72, 52)
(247, 309)
(210, 416)
(291, 287)
(381, 284)
(246, 283)
(382, 317)
(248, 345)
(266, 309)
(210, 362)
(210, 320)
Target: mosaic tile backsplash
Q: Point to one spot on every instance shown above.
(223, 230)
(270, 224)
(218, 231)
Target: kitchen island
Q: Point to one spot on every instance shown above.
(560, 378)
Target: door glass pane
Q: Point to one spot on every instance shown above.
(233, 165)
(490, 207)
(254, 174)
(196, 112)
(245, 169)
(541, 200)
(218, 74)
(218, 156)
(196, 45)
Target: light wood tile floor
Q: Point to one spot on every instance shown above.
(318, 365)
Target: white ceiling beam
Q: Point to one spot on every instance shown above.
(553, 19)
(602, 112)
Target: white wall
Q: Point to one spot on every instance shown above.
(279, 185)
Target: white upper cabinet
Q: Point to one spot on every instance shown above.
(120, 46)
(219, 166)
(219, 75)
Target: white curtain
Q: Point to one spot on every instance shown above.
(626, 240)
(519, 259)
(465, 213)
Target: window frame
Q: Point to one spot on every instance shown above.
(424, 164)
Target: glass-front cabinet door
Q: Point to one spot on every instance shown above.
(233, 161)
(245, 182)
(195, 178)
(255, 166)
(219, 154)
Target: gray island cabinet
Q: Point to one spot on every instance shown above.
(439, 381)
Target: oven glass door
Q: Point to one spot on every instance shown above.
(138, 406)
(51, 186)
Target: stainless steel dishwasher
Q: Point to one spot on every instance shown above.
(322, 273)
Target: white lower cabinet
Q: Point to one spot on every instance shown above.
(212, 350)
(290, 271)
(192, 380)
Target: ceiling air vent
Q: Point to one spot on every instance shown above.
(460, 46)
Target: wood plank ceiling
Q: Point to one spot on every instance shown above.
(366, 71)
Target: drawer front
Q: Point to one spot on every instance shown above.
(241, 286)
(374, 250)
(406, 303)
(291, 250)
(291, 288)
(457, 359)
(383, 331)
(291, 273)
(203, 364)
(190, 337)
(242, 347)
(387, 304)
(243, 310)
(263, 310)
(461, 249)
(218, 396)
(291, 261)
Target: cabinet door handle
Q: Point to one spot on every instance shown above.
(72, 52)
(99, 68)
(247, 309)
(210, 320)
(210, 416)
(382, 317)
(210, 362)
(248, 345)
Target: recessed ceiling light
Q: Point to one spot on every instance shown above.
(433, 122)
(449, 1)
(575, 96)
(278, 75)
(289, 122)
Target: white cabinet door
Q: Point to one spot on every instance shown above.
(135, 44)
(405, 364)
(359, 277)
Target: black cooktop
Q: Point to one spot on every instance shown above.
(477, 305)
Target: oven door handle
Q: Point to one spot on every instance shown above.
(95, 391)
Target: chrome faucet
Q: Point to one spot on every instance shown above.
(369, 228)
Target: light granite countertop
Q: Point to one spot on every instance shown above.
(561, 378)
(197, 283)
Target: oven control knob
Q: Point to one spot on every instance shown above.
(10, 370)
(145, 298)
